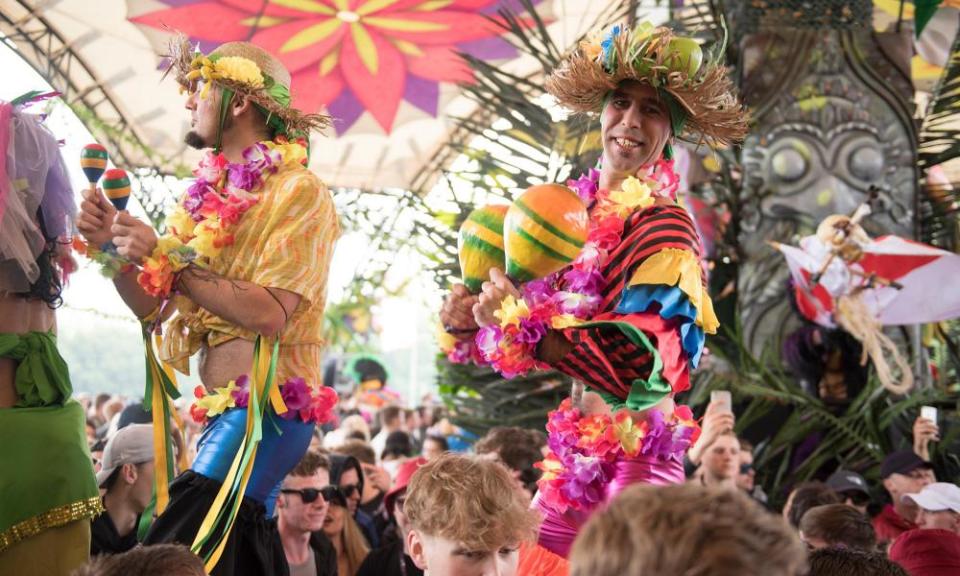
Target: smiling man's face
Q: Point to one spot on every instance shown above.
(634, 126)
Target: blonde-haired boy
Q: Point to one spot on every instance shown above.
(467, 518)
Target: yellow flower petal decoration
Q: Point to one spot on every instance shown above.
(219, 401)
(167, 244)
(562, 321)
(551, 467)
(591, 49)
(239, 69)
(291, 153)
(512, 311)
(628, 433)
(205, 243)
(180, 223)
(445, 340)
(632, 195)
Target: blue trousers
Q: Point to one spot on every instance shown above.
(283, 445)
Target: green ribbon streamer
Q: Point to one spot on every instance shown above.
(226, 516)
(678, 114)
(923, 12)
(42, 378)
(153, 366)
(226, 97)
(146, 518)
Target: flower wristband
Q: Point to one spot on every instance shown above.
(111, 264)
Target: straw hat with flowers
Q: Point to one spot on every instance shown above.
(700, 97)
(242, 68)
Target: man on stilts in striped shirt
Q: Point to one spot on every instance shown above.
(638, 289)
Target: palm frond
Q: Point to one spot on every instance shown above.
(940, 133)
(856, 435)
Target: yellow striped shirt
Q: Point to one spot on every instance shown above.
(284, 241)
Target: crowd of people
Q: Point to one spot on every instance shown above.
(382, 494)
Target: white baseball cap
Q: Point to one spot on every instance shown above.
(132, 444)
(937, 497)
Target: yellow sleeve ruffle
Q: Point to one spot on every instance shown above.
(680, 268)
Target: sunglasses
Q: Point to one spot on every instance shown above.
(349, 490)
(746, 468)
(857, 498)
(330, 494)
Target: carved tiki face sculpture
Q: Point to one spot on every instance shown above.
(833, 119)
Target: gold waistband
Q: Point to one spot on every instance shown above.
(59, 516)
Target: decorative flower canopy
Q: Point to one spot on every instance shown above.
(351, 56)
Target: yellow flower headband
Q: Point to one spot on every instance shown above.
(234, 68)
(246, 70)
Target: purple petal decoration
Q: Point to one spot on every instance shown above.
(296, 395)
(531, 331)
(422, 93)
(178, 3)
(488, 338)
(346, 109)
(583, 281)
(586, 186)
(241, 394)
(515, 6)
(488, 49)
(244, 176)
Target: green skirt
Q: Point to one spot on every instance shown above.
(46, 479)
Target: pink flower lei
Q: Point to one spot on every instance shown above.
(202, 223)
(301, 400)
(573, 295)
(584, 450)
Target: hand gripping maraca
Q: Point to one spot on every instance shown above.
(93, 161)
(116, 185)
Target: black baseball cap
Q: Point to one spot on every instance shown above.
(847, 481)
(901, 462)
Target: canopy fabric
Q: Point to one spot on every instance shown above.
(386, 69)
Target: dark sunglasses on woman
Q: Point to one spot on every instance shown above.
(349, 490)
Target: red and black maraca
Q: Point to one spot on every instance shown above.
(116, 185)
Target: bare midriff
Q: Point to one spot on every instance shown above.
(19, 315)
(225, 362)
(592, 403)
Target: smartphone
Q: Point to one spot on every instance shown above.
(722, 399)
(929, 412)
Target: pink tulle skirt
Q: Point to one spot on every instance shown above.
(558, 530)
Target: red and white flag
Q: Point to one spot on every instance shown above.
(929, 278)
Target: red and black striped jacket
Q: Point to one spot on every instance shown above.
(605, 357)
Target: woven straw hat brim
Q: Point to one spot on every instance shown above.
(714, 113)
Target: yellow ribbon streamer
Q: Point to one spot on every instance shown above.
(263, 374)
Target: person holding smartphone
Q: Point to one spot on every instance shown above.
(925, 430)
(717, 420)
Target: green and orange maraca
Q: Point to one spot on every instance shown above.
(116, 186)
(480, 245)
(93, 161)
(542, 232)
